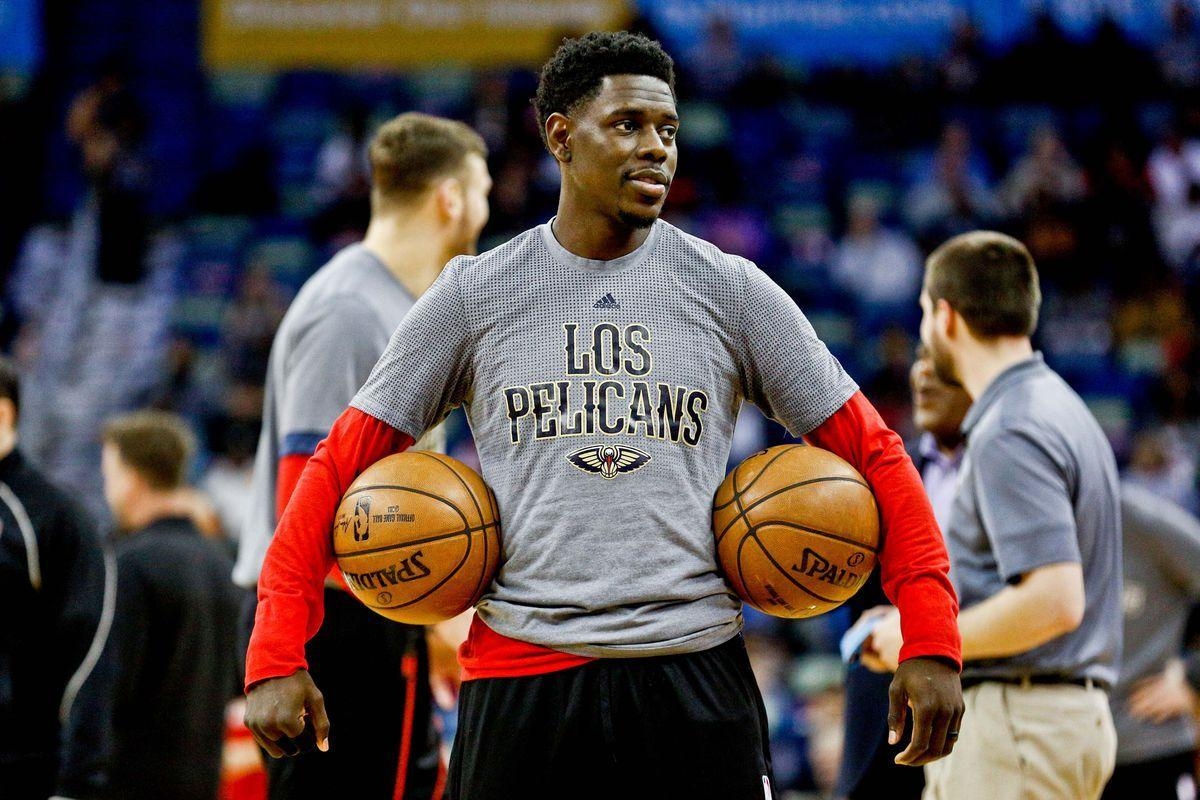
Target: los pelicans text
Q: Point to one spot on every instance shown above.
(606, 401)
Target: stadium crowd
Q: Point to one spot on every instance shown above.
(183, 211)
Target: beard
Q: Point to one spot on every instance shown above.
(943, 364)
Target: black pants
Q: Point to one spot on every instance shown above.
(1150, 780)
(689, 726)
(374, 675)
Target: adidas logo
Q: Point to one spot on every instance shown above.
(608, 301)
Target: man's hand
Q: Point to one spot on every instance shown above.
(881, 651)
(1163, 696)
(279, 709)
(933, 690)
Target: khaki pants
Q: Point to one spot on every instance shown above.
(1031, 742)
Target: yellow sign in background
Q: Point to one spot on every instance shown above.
(349, 34)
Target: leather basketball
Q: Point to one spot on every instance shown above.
(797, 531)
(417, 537)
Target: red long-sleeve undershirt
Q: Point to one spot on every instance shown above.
(913, 562)
(291, 600)
(913, 558)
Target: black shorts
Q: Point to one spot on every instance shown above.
(689, 726)
(374, 675)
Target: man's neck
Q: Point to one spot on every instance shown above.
(589, 234)
(152, 507)
(8, 443)
(981, 362)
(410, 249)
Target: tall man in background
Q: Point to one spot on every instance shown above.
(1034, 540)
(57, 589)
(428, 204)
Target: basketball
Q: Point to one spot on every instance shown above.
(417, 537)
(797, 531)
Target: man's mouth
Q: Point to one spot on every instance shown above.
(650, 182)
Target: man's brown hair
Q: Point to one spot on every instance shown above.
(155, 444)
(988, 278)
(408, 153)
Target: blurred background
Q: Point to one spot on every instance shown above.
(172, 172)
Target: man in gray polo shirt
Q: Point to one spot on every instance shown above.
(1034, 539)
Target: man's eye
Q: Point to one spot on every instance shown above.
(668, 133)
(625, 126)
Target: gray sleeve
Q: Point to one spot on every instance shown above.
(1024, 502)
(786, 370)
(1176, 536)
(425, 372)
(330, 359)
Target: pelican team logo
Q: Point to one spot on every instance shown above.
(609, 460)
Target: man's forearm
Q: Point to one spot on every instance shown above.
(1019, 618)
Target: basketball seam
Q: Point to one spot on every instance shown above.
(449, 574)
(438, 538)
(738, 492)
(755, 528)
(478, 510)
(781, 569)
(743, 511)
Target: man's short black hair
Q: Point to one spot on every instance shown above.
(10, 383)
(573, 74)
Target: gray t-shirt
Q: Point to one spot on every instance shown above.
(1039, 487)
(1162, 583)
(602, 396)
(330, 338)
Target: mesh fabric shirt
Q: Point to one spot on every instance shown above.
(602, 396)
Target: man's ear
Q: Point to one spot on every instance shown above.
(558, 137)
(948, 321)
(8, 414)
(450, 197)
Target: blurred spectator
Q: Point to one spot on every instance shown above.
(878, 266)
(716, 62)
(1045, 174)
(1153, 702)
(963, 65)
(250, 324)
(954, 196)
(1120, 235)
(1179, 54)
(169, 666)
(1174, 169)
(1161, 465)
(232, 434)
(95, 300)
(341, 187)
(56, 584)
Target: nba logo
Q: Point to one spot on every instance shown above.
(362, 519)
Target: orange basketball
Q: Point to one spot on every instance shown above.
(797, 531)
(417, 537)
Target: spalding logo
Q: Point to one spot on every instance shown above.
(814, 565)
(608, 460)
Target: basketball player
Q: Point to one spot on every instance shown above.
(1034, 537)
(606, 659)
(428, 204)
